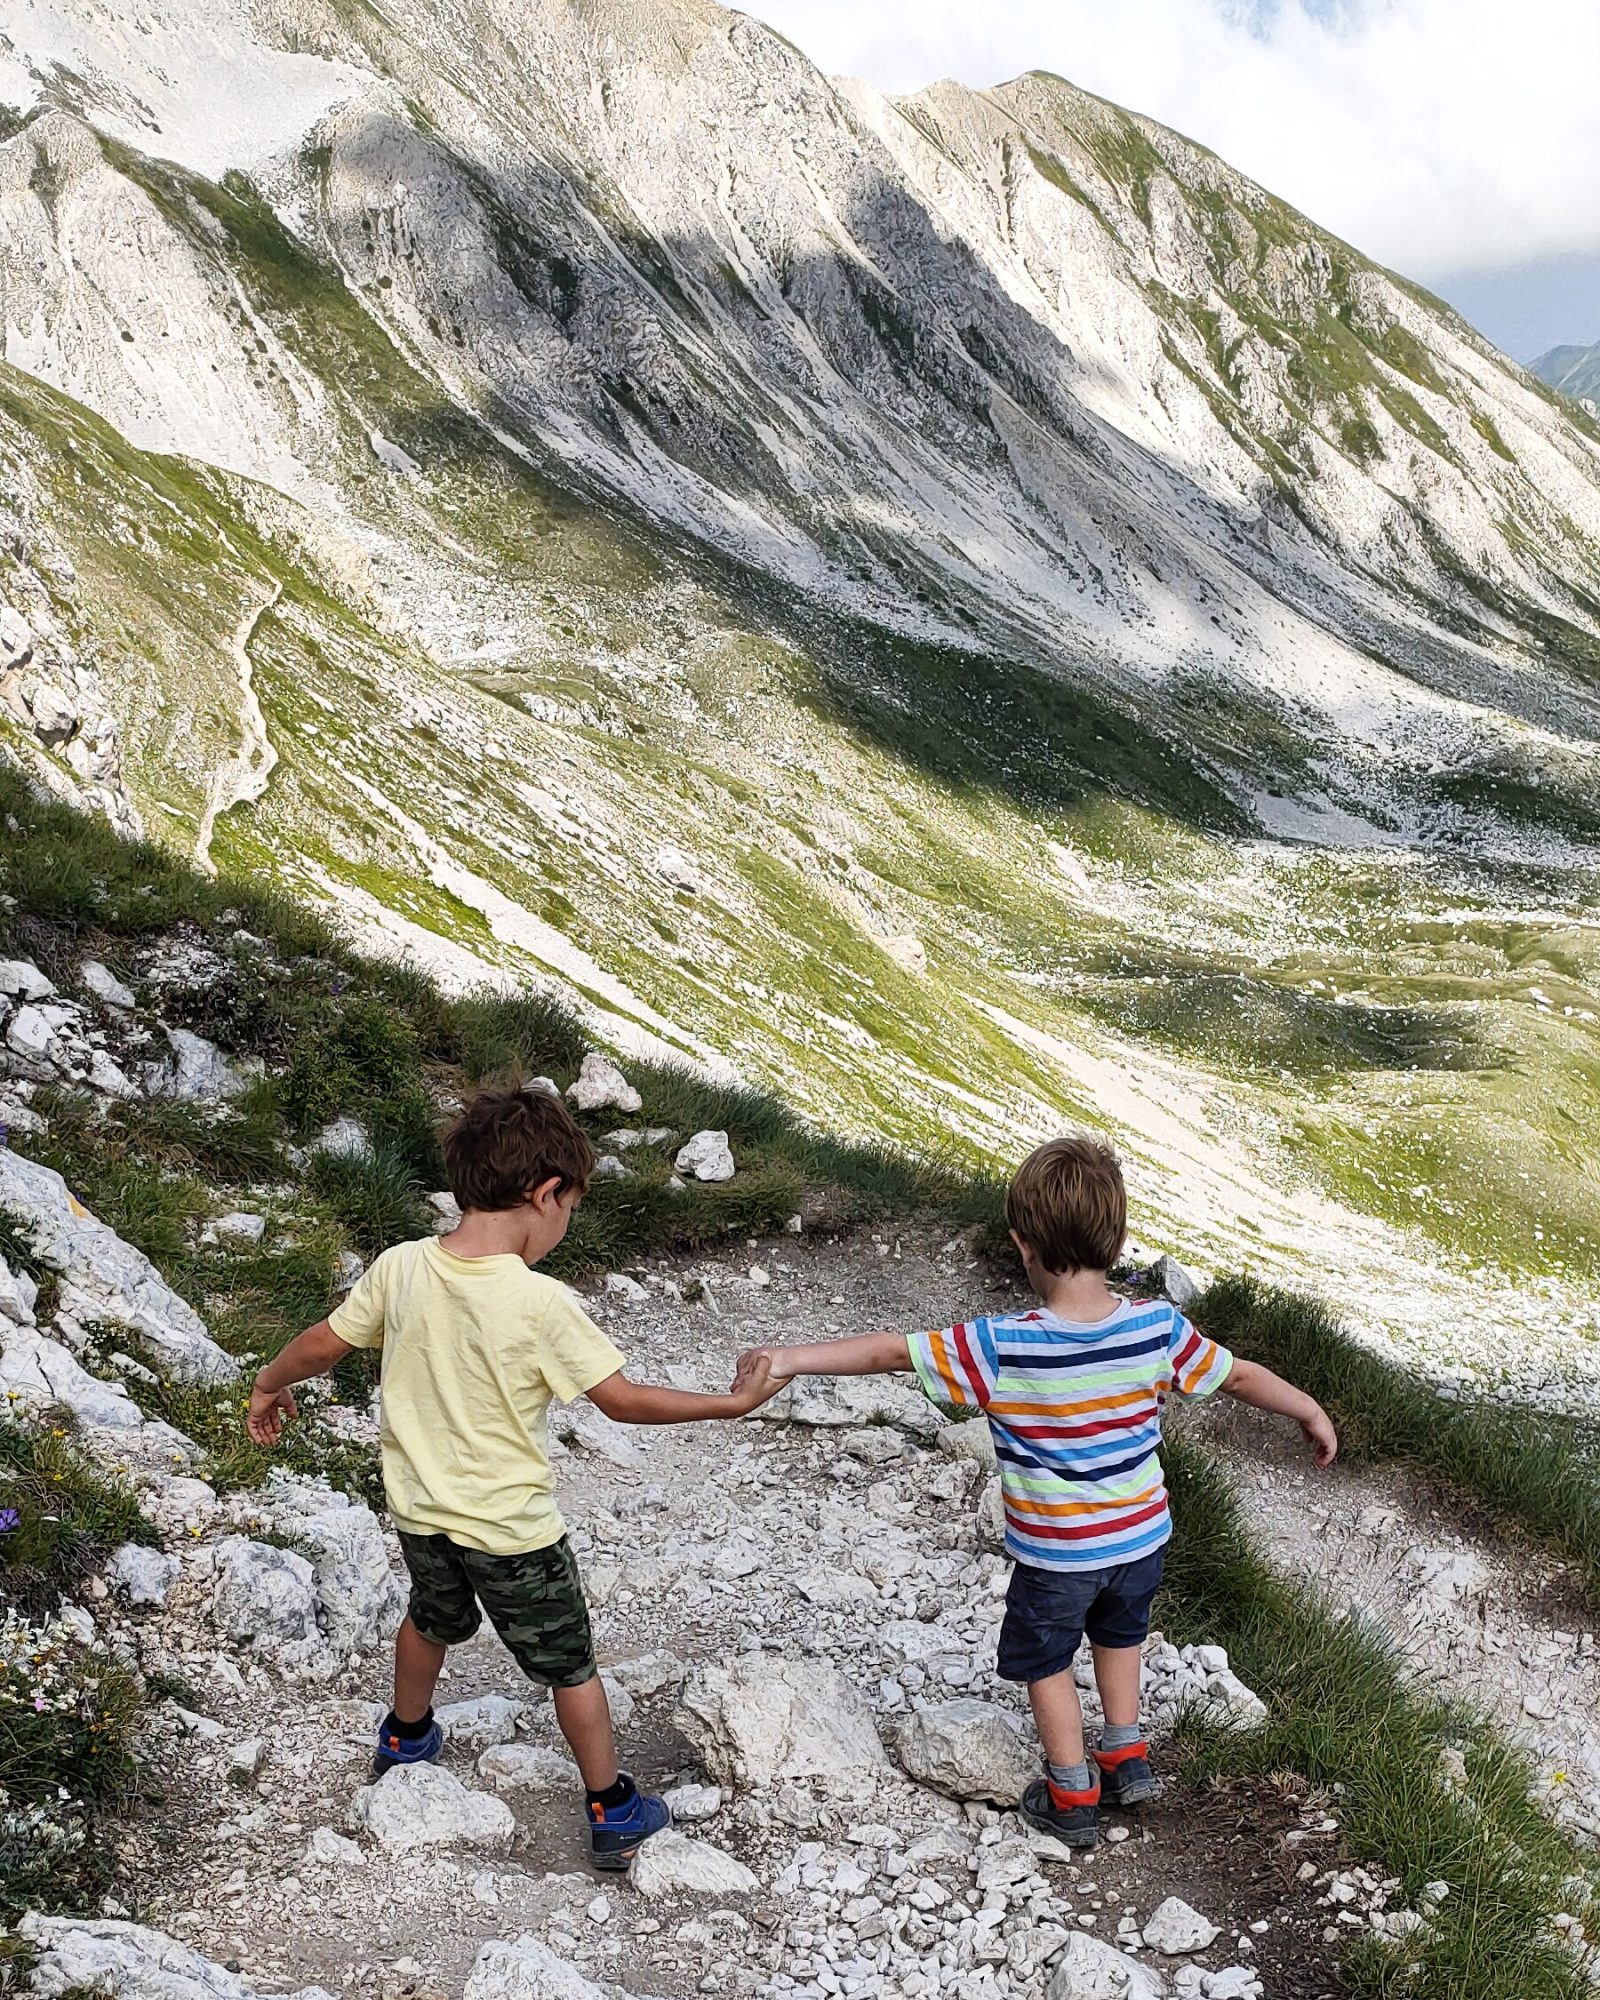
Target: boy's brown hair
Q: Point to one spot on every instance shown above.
(1068, 1203)
(508, 1142)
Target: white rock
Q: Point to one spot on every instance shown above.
(16, 638)
(527, 1767)
(359, 1600)
(243, 1760)
(142, 1576)
(1174, 1929)
(707, 1156)
(105, 1278)
(1233, 1982)
(446, 1211)
(1090, 1969)
(264, 1598)
(971, 1442)
(526, 1969)
(620, 1286)
(126, 1962)
(477, 1724)
(967, 1749)
(420, 1806)
(601, 1086)
(760, 1721)
(670, 1864)
(1174, 1281)
(18, 1295)
(20, 980)
(334, 1850)
(238, 1226)
(196, 1071)
(98, 979)
(609, 1168)
(691, 1803)
(344, 1139)
(846, 1401)
(40, 1372)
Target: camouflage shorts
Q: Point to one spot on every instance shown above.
(534, 1601)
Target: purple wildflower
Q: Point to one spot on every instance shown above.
(9, 1519)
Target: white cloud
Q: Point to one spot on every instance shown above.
(1437, 135)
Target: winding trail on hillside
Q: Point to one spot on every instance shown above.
(243, 779)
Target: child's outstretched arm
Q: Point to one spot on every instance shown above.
(628, 1402)
(317, 1351)
(867, 1354)
(1263, 1390)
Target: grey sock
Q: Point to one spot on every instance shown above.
(1119, 1735)
(1070, 1777)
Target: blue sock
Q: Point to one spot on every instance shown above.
(1069, 1777)
(1120, 1735)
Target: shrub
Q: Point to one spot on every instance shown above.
(59, 1517)
(516, 1034)
(67, 1717)
(376, 1195)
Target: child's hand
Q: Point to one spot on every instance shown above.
(1319, 1433)
(268, 1408)
(754, 1382)
(757, 1359)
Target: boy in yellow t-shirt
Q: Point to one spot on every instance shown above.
(475, 1345)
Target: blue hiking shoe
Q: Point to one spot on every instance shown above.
(1125, 1776)
(393, 1749)
(616, 1834)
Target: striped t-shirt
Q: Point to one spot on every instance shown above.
(1076, 1416)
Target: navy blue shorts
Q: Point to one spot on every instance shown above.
(1049, 1610)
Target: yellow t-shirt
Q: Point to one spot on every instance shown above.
(473, 1350)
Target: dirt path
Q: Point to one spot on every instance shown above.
(1498, 1624)
(243, 779)
(851, 1544)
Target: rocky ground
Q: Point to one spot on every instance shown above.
(796, 1618)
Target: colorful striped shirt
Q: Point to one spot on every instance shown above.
(1075, 1412)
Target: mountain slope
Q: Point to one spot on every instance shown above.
(964, 608)
(1575, 371)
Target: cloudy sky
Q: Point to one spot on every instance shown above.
(1457, 140)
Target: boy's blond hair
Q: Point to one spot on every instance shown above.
(1069, 1205)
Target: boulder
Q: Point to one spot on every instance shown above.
(446, 1212)
(761, 1721)
(488, 1719)
(526, 1969)
(124, 1961)
(671, 1864)
(970, 1442)
(40, 1372)
(1175, 1929)
(359, 1600)
(968, 1750)
(527, 1767)
(98, 979)
(194, 1071)
(344, 1138)
(105, 1278)
(142, 1576)
(707, 1157)
(1089, 1968)
(419, 1806)
(601, 1086)
(264, 1599)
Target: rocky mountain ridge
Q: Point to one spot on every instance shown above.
(1575, 371)
(965, 607)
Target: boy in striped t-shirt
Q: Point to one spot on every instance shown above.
(1073, 1389)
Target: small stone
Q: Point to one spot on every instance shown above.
(334, 1850)
(601, 1086)
(707, 1157)
(243, 1760)
(98, 979)
(142, 1576)
(690, 1803)
(418, 1806)
(670, 1863)
(1175, 1929)
(530, 1767)
(476, 1724)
